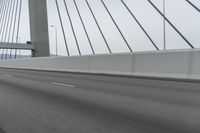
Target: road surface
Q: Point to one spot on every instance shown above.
(52, 102)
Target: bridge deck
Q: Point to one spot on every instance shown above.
(22, 46)
(49, 102)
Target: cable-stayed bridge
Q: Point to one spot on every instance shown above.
(117, 90)
(11, 17)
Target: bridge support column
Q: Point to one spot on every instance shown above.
(39, 27)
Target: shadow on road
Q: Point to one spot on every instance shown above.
(2, 131)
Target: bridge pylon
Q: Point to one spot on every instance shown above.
(39, 27)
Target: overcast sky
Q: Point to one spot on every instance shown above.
(181, 14)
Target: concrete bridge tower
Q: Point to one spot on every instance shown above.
(39, 27)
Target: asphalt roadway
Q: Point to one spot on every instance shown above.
(52, 102)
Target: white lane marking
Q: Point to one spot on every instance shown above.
(61, 84)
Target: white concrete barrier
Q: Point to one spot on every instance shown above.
(194, 71)
(120, 63)
(170, 64)
(75, 64)
(183, 64)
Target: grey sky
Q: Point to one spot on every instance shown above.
(178, 11)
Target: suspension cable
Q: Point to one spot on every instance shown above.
(72, 27)
(18, 25)
(171, 24)
(15, 21)
(8, 21)
(84, 27)
(19, 20)
(10, 28)
(59, 14)
(4, 25)
(116, 26)
(3, 16)
(140, 25)
(5, 20)
(7, 27)
(3, 5)
(193, 5)
(98, 26)
(14, 24)
(2, 9)
(11, 23)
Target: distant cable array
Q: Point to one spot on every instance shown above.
(170, 23)
(10, 17)
(10, 14)
(162, 14)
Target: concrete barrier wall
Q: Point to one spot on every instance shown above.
(183, 64)
(171, 64)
